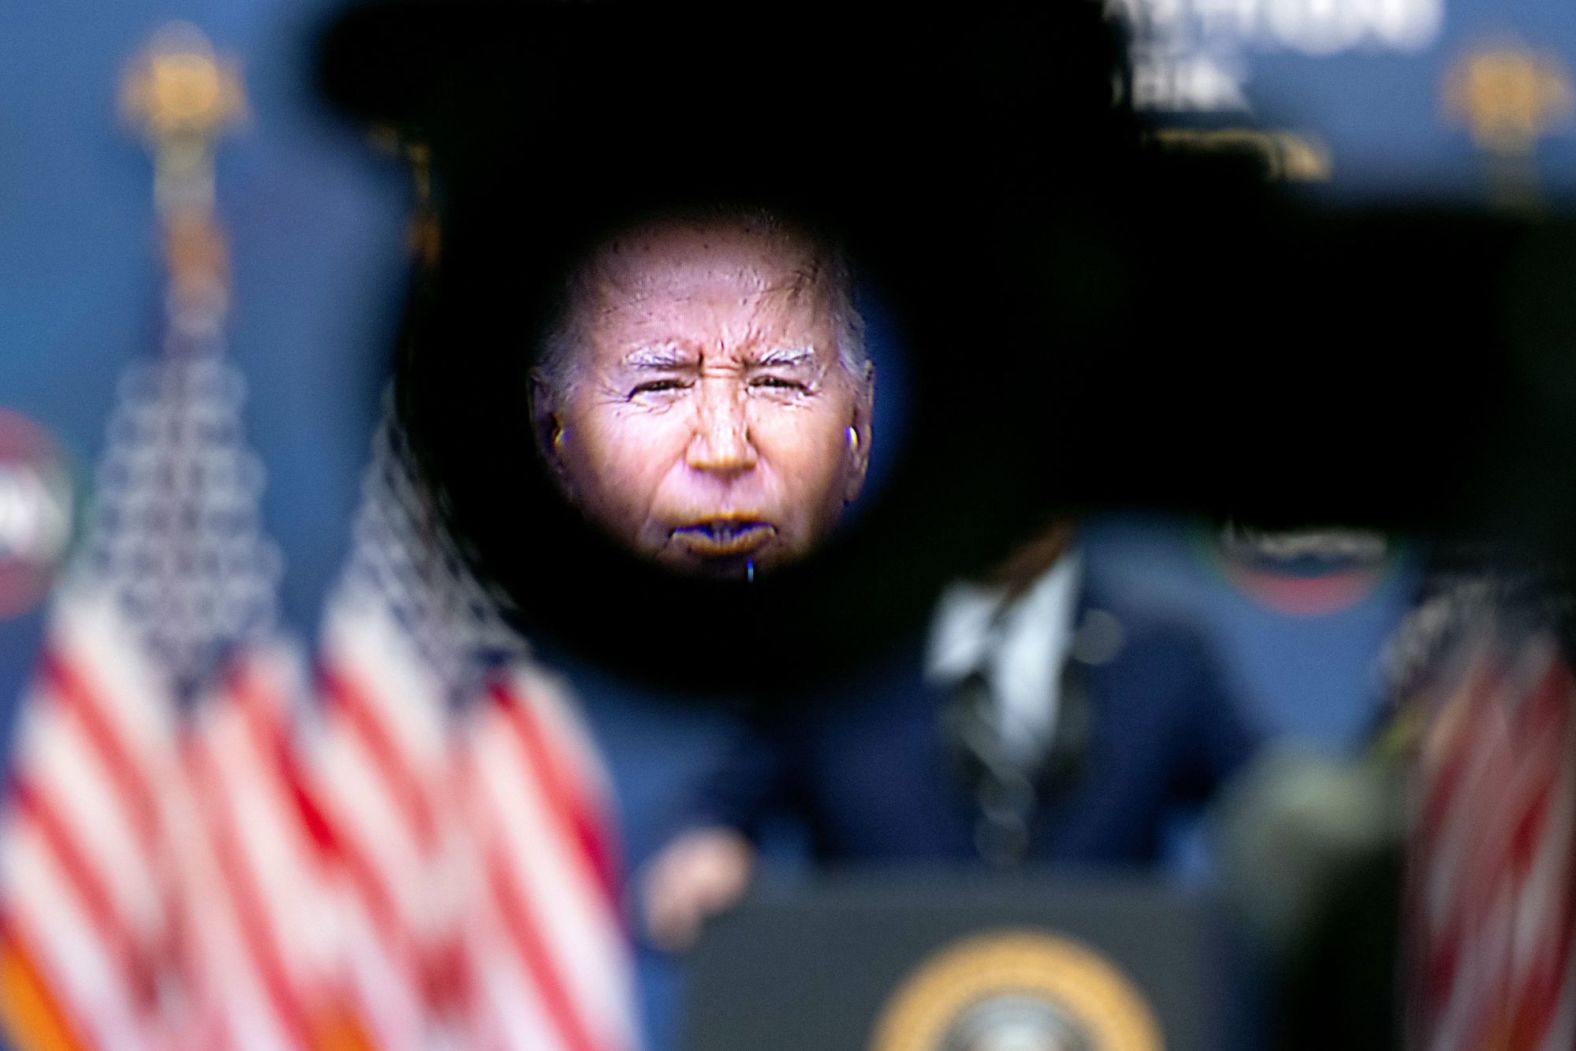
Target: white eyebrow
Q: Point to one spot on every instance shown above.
(661, 356)
(786, 357)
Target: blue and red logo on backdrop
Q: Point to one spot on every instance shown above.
(1302, 573)
(35, 512)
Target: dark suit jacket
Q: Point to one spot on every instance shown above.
(870, 771)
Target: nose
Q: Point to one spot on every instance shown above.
(721, 444)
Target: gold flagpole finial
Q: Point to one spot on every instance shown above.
(181, 96)
(423, 236)
(426, 237)
(1509, 96)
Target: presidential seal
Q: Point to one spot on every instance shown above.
(1017, 991)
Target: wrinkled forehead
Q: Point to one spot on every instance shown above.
(668, 266)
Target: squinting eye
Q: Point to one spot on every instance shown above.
(777, 383)
(659, 387)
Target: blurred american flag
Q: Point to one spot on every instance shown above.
(195, 855)
(1493, 861)
(471, 812)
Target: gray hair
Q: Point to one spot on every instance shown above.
(560, 348)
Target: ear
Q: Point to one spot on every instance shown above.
(860, 432)
(548, 427)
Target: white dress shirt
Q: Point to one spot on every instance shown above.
(1019, 649)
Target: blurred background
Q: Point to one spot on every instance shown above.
(1459, 104)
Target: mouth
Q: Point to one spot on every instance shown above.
(724, 537)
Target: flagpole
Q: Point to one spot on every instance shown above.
(182, 97)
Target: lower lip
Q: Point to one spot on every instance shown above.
(732, 544)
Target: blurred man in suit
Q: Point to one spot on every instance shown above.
(1034, 725)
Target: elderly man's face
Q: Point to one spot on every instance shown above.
(706, 418)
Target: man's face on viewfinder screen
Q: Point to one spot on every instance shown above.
(706, 401)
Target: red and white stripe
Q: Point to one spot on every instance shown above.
(1542, 849)
(1494, 857)
(261, 928)
(84, 894)
(545, 939)
(381, 771)
(417, 884)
